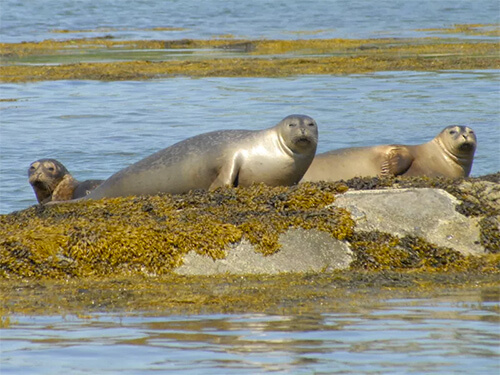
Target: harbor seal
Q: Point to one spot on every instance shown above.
(449, 154)
(51, 181)
(276, 156)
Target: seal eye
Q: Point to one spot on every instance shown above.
(292, 125)
(311, 124)
(452, 132)
(51, 169)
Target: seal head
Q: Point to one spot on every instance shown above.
(51, 181)
(459, 141)
(299, 133)
(47, 176)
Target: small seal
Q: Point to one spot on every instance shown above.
(276, 156)
(51, 181)
(449, 154)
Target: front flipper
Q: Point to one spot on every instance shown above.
(228, 173)
(397, 160)
(64, 190)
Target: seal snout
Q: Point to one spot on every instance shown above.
(303, 139)
(466, 137)
(466, 146)
(39, 184)
(468, 140)
(35, 178)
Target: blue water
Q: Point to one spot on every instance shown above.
(96, 128)
(278, 19)
(447, 334)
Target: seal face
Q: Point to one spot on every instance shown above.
(449, 154)
(299, 133)
(460, 141)
(51, 181)
(276, 156)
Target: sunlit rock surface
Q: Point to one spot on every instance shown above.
(427, 213)
(301, 251)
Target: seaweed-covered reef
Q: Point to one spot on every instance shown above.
(108, 59)
(120, 254)
(150, 235)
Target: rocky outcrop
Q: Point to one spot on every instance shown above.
(423, 212)
(369, 224)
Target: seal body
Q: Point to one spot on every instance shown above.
(276, 156)
(51, 181)
(449, 154)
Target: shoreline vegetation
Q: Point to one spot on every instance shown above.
(104, 58)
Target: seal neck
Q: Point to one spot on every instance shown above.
(281, 144)
(448, 154)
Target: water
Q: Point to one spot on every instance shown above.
(451, 333)
(96, 128)
(280, 19)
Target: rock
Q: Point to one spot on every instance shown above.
(484, 190)
(301, 251)
(307, 228)
(426, 213)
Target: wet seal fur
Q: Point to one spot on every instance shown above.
(449, 154)
(276, 156)
(51, 181)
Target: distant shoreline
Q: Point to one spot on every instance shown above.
(113, 60)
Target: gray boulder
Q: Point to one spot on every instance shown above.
(424, 212)
(421, 212)
(301, 251)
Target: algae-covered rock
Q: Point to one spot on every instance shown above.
(150, 235)
(259, 230)
(478, 198)
(107, 59)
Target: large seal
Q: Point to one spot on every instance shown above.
(276, 156)
(51, 181)
(449, 154)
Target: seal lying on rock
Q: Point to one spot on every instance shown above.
(51, 181)
(276, 156)
(449, 154)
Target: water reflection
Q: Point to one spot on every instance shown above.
(444, 334)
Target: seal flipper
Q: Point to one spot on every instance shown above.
(228, 174)
(397, 160)
(65, 188)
